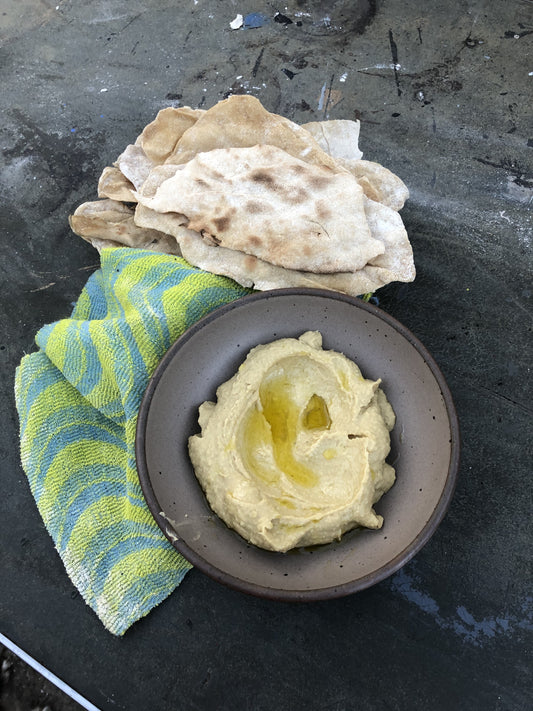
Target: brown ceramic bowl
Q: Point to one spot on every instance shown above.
(424, 443)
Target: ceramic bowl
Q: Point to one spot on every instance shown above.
(424, 443)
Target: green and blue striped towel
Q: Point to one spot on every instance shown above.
(78, 399)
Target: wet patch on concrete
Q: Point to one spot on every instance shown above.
(476, 631)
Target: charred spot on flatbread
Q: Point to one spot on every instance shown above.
(322, 210)
(319, 182)
(256, 207)
(222, 223)
(261, 176)
(294, 194)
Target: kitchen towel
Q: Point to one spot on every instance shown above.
(78, 397)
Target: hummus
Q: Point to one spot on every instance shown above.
(293, 452)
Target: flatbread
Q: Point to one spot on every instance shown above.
(394, 264)
(339, 138)
(115, 186)
(159, 138)
(156, 177)
(387, 187)
(248, 194)
(152, 146)
(134, 165)
(241, 122)
(110, 223)
(266, 203)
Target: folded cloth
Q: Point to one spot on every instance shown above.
(78, 399)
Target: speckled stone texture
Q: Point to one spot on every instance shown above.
(443, 92)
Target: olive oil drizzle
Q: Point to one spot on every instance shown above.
(277, 424)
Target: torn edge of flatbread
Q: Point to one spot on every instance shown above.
(111, 223)
(151, 148)
(134, 165)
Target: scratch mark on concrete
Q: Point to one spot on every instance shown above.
(135, 17)
(520, 176)
(501, 396)
(394, 53)
(328, 100)
(258, 62)
(329, 96)
(42, 288)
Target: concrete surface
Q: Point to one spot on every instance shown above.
(23, 689)
(443, 90)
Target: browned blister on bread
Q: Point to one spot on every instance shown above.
(266, 203)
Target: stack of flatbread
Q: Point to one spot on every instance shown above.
(248, 194)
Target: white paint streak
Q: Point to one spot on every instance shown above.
(108, 16)
(321, 99)
(381, 66)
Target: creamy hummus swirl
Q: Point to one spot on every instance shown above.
(293, 452)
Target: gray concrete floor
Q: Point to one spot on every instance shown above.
(24, 689)
(443, 91)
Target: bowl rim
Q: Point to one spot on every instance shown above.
(295, 595)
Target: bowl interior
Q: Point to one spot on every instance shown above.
(424, 443)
